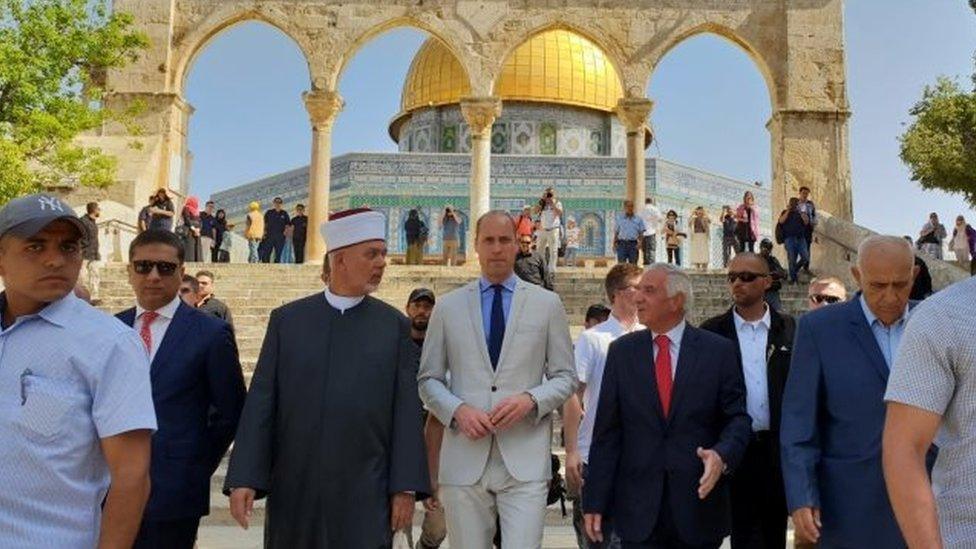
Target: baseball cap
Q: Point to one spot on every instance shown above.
(421, 293)
(28, 215)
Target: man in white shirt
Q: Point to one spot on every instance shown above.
(652, 220)
(591, 356)
(550, 215)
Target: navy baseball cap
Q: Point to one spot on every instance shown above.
(28, 215)
(421, 293)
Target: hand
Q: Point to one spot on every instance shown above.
(574, 471)
(592, 524)
(433, 503)
(511, 410)
(713, 471)
(242, 505)
(401, 511)
(474, 423)
(806, 521)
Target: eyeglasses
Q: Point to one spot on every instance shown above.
(185, 290)
(821, 298)
(745, 276)
(145, 266)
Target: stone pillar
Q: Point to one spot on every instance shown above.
(479, 113)
(323, 107)
(633, 113)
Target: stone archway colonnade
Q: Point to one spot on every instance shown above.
(797, 45)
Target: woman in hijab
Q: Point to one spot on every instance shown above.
(191, 230)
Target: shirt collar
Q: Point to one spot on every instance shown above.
(675, 334)
(341, 302)
(871, 318)
(509, 283)
(740, 322)
(56, 312)
(167, 311)
(613, 324)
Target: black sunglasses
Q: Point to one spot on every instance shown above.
(185, 290)
(145, 266)
(821, 298)
(744, 276)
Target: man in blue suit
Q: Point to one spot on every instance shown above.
(834, 410)
(671, 423)
(197, 388)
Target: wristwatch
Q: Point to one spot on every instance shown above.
(535, 403)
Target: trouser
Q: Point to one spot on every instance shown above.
(729, 244)
(549, 245)
(758, 497)
(299, 250)
(627, 251)
(797, 253)
(433, 531)
(450, 252)
(253, 246)
(415, 253)
(207, 248)
(665, 534)
(471, 510)
(93, 276)
(746, 245)
(610, 540)
(570, 258)
(167, 534)
(649, 249)
(674, 256)
(276, 245)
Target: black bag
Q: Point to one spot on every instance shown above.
(557, 485)
(779, 234)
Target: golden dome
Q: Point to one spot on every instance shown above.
(556, 66)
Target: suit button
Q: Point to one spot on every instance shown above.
(493, 388)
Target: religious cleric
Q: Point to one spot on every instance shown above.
(331, 430)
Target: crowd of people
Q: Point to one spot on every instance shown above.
(676, 435)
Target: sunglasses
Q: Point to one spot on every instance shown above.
(145, 266)
(821, 298)
(744, 276)
(185, 290)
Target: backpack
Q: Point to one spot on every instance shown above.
(779, 233)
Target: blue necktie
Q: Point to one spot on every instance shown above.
(496, 333)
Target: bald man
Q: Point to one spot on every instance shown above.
(834, 409)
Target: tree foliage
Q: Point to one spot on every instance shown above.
(53, 57)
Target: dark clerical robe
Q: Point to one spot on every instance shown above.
(331, 428)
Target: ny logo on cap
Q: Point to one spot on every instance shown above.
(50, 202)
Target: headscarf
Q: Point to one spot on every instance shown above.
(254, 206)
(192, 206)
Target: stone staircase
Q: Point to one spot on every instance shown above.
(252, 291)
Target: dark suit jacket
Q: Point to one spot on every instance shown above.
(198, 392)
(635, 448)
(779, 348)
(833, 418)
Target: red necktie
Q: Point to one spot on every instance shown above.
(662, 371)
(147, 319)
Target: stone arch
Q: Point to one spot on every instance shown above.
(771, 79)
(513, 42)
(348, 52)
(189, 46)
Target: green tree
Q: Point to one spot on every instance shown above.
(53, 58)
(939, 146)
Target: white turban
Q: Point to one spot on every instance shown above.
(350, 227)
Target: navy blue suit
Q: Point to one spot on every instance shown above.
(198, 392)
(833, 418)
(644, 465)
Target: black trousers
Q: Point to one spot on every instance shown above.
(758, 497)
(665, 534)
(299, 251)
(167, 534)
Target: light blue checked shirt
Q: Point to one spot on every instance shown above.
(629, 228)
(70, 375)
(888, 337)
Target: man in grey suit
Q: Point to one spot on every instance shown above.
(506, 347)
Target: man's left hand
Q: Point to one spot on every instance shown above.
(511, 410)
(401, 511)
(713, 471)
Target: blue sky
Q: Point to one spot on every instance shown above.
(711, 104)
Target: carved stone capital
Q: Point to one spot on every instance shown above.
(480, 113)
(323, 107)
(633, 112)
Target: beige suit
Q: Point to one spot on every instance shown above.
(509, 470)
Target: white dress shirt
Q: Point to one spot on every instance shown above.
(675, 336)
(159, 326)
(652, 219)
(591, 358)
(753, 340)
(341, 302)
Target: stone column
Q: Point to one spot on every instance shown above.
(633, 113)
(479, 113)
(323, 107)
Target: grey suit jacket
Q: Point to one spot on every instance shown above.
(536, 357)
